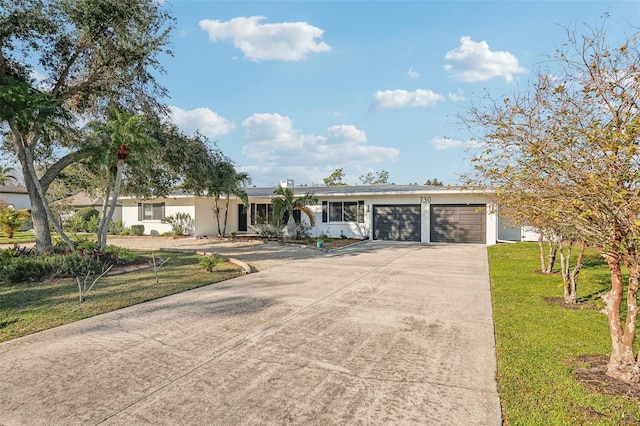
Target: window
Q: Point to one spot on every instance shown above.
(343, 211)
(261, 214)
(335, 212)
(150, 211)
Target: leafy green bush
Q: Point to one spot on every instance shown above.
(210, 262)
(24, 269)
(12, 220)
(115, 227)
(85, 219)
(122, 256)
(83, 244)
(303, 231)
(73, 265)
(93, 224)
(36, 268)
(86, 213)
(181, 223)
(137, 229)
(268, 231)
(75, 224)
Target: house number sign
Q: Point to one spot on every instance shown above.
(425, 200)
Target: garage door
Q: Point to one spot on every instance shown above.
(458, 223)
(397, 222)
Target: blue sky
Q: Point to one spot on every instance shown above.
(297, 89)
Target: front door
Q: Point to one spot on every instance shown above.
(242, 218)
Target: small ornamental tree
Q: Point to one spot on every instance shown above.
(568, 152)
(12, 220)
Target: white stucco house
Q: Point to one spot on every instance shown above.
(378, 212)
(16, 196)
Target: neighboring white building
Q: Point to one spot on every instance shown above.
(16, 196)
(379, 212)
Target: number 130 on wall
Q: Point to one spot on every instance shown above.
(425, 200)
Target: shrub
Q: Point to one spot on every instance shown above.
(122, 256)
(83, 219)
(86, 213)
(324, 237)
(83, 244)
(181, 223)
(137, 229)
(303, 231)
(93, 223)
(115, 227)
(210, 262)
(268, 231)
(24, 269)
(12, 220)
(73, 265)
(75, 224)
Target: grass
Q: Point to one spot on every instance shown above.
(535, 340)
(31, 307)
(18, 238)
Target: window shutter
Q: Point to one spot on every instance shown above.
(139, 212)
(325, 211)
(162, 211)
(361, 211)
(253, 213)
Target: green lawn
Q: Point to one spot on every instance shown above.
(31, 307)
(18, 238)
(535, 340)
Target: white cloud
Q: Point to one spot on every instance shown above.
(275, 150)
(474, 61)
(403, 99)
(287, 41)
(345, 133)
(413, 74)
(204, 120)
(442, 144)
(458, 96)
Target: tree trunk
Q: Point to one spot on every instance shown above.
(565, 267)
(226, 215)
(103, 213)
(290, 228)
(38, 211)
(575, 272)
(38, 218)
(102, 238)
(622, 365)
(217, 213)
(543, 259)
(553, 251)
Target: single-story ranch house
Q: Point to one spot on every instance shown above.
(378, 212)
(16, 196)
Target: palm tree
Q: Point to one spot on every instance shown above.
(220, 175)
(235, 185)
(6, 176)
(122, 139)
(287, 202)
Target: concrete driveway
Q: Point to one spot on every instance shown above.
(379, 333)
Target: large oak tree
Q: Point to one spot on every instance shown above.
(90, 53)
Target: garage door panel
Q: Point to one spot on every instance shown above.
(458, 223)
(397, 222)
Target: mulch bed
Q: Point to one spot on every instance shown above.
(560, 302)
(589, 370)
